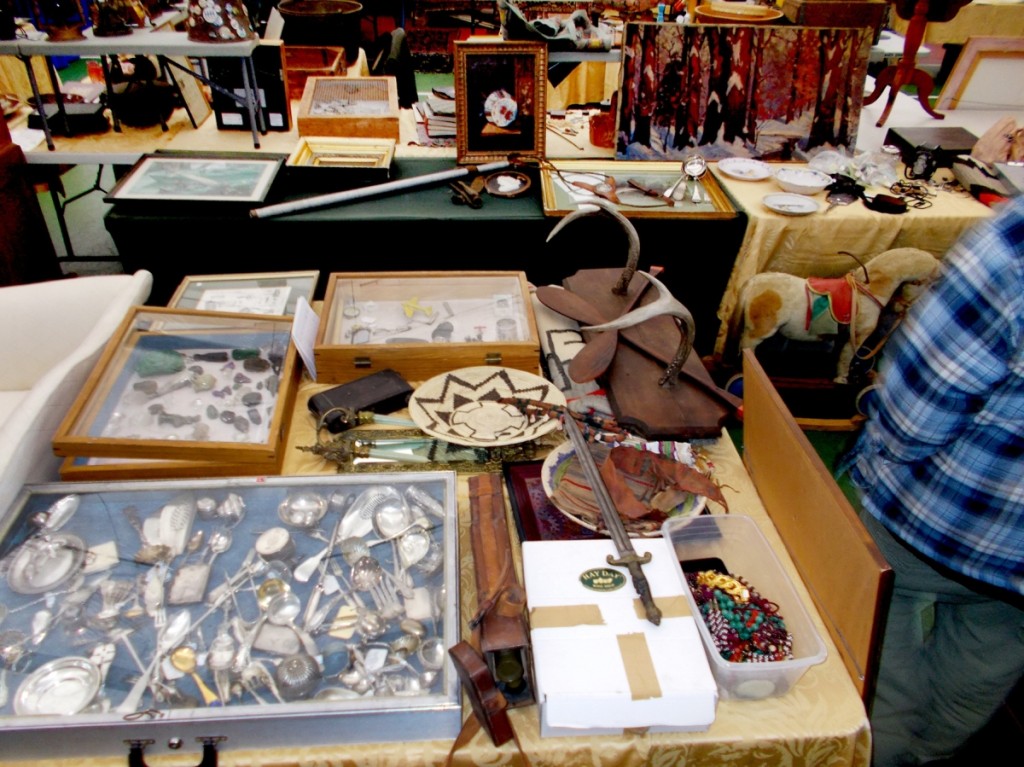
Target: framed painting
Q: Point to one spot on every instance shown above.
(217, 177)
(761, 91)
(986, 75)
(499, 100)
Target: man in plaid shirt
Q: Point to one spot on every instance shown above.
(940, 467)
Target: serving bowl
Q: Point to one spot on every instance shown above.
(802, 180)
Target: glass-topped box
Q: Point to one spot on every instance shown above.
(422, 324)
(187, 385)
(274, 293)
(275, 612)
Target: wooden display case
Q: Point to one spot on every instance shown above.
(183, 385)
(422, 324)
(349, 106)
(271, 293)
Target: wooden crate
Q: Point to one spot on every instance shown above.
(350, 106)
(304, 61)
(422, 324)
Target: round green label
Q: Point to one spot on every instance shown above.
(603, 579)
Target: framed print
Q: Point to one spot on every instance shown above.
(636, 187)
(499, 100)
(986, 75)
(274, 293)
(221, 177)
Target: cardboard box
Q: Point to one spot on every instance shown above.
(422, 324)
(350, 106)
(600, 667)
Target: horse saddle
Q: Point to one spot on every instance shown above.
(829, 304)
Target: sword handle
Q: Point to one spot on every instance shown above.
(632, 561)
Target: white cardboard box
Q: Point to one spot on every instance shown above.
(600, 666)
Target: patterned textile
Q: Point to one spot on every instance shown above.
(829, 304)
(941, 460)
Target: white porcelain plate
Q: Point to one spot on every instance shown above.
(464, 406)
(790, 204)
(553, 473)
(745, 169)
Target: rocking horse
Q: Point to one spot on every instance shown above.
(812, 309)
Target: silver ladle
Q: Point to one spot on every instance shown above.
(695, 167)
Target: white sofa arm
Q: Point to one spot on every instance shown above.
(86, 309)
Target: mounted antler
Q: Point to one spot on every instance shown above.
(632, 260)
(666, 303)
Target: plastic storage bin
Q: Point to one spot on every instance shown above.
(744, 551)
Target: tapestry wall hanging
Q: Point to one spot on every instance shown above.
(770, 92)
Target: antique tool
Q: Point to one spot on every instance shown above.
(649, 191)
(468, 194)
(334, 198)
(627, 557)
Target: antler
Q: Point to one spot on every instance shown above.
(668, 304)
(632, 260)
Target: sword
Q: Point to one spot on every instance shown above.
(627, 554)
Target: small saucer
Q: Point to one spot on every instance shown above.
(507, 183)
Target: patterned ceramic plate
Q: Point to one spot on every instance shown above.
(463, 406)
(580, 505)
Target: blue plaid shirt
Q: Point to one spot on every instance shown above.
(941, 460)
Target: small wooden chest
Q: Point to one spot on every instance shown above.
(349, 106)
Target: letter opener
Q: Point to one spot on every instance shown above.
(627, 557)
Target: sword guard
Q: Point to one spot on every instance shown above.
(629, 557)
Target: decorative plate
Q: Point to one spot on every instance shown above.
(462, 406)
(553, 472)
(745, 169)
(507, 183)
(789, 204)
(44, 563)
(61, 687)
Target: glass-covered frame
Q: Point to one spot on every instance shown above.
(271, 293)
(189, 385)
(367, 309)
(103, 582)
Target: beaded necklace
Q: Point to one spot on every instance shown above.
(745, 627)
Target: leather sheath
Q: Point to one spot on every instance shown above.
(502, 599)
(488, 703)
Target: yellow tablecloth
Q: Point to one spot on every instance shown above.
(820, 721)
(812, 245)
(1002, 18)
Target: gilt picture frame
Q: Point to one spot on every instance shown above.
(500, 100)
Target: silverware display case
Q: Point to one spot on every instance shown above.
(172, 611)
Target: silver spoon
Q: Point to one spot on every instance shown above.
(695, 167)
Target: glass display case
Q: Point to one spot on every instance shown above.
(275, 293)
(187, 385)
(422, 324)
(280, 611)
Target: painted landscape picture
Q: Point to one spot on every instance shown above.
(767, 92)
